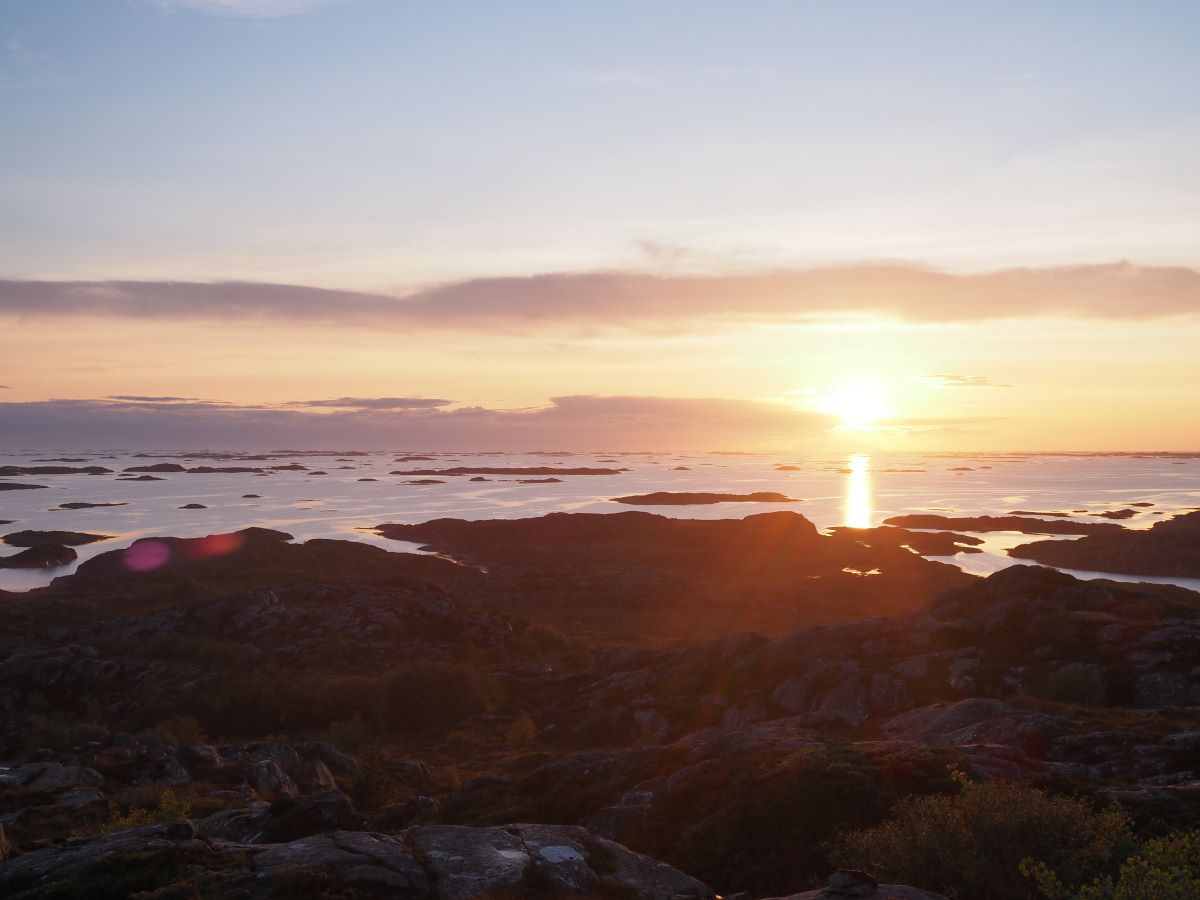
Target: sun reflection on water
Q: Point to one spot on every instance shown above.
(858, 509)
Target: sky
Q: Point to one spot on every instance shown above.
(910, 225)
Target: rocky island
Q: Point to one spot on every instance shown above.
(684, 498)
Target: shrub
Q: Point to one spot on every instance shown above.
(59, 732)
(547, 637)
(521, 731)
(1079, 683)
(974, 843)
(417, 696)
(375, 788)
(170, 808)
(179, 731)
(760, 823)
(1167, 868)
(350, 734)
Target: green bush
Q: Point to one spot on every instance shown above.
(375, 788)
(417, 696)
(521, 731)
(975, 844)
(179, 731)
(1073, 683)
(58, 732)
(170, 808)
(1167, 868)
(350, 734)
(762, 824)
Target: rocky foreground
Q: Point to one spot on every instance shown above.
(250, 717)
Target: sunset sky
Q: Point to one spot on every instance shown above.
(643, 225)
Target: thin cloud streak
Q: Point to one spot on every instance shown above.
(958, 381)
(626, 300)
(567, 423)
(244, 9)
(137, 398)
(402, 403)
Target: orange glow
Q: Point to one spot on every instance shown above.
(214, 545)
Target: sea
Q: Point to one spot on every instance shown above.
(344, 494)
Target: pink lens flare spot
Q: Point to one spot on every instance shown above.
(146, 556)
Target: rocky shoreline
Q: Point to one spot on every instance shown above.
(240, 715)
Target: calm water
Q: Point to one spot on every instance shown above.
(858, 490)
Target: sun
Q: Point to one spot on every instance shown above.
(858, 405)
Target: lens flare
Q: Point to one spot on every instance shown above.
(146, 556)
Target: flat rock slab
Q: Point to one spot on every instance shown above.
(467, 862)
(883, 892)
(74, 859)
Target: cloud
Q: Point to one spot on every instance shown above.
(959, 381)
(566, 423)
(911, 423)
(373, 403)
(135, 398)
(638, 300)
(245, 9)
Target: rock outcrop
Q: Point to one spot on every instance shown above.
(428, 863)
(1170, 549)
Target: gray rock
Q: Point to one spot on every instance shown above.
(334, 758)
(791, 696)
(201, 756)
(883, 892)
(54, 775)
(645, 878)
(652, 724)
(559, 854)
(314, 774)
(329, 810)
(378, 875)
(77, 799)
(633, 807)
(269, 781)
(1166, 689)
(847, 699)
(284, 755)
(183, 830)
(317, 852)
(469, 862)
(167, 770)
(241, 826)
(75, 859)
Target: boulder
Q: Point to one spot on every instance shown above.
(471, 862)
(315, 775)
(53, 775)
(78, 798)
(239, 826)
(168, 771)
(847, 883)
(269, 781)
(1166, 689)
(559, 856)
(329, 810)
(75, 859)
